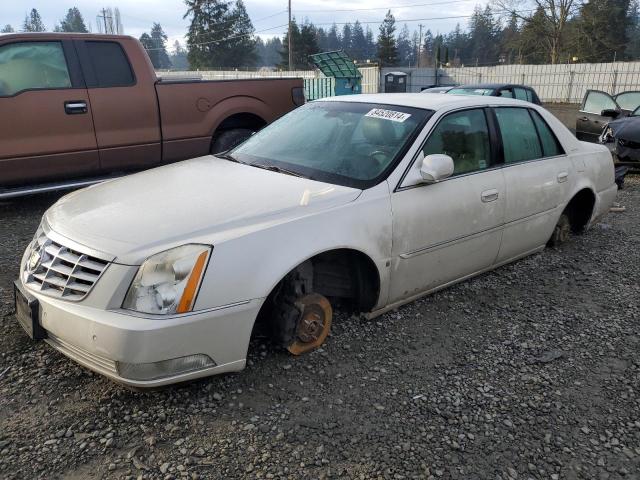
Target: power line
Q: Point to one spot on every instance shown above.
(447, 2)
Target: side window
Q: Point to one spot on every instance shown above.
(628, 100)
(521, 94)
(598, 101)
(464, 136)
(550, 144)
(505, 92)
(110, 64)
(519, 136)
(32, 65)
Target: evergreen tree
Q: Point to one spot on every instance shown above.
(321, 39)
(242, 44)
(428, 50)
(483, 36)
(269, 52)
(358, 42)
(334, 41)
(510, 40)
(304, 44)
(371, 44)
(7, 29)
(404, 47)
(178, 58)
(73, 22)
(387, 50)
(208, 32)
(602, 30)
(158, 53)
(347, 40)
(33, 22)
(633, 31)
(533, 47)
(458, 43)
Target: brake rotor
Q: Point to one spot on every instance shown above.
(313, 325)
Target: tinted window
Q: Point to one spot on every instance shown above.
(464, 136)
(110, 64)
(550, 145)
(505, 93)
(628, 100)
(529, 95)
(32, 65)
(521, 94)
(598, 101)
(519, 135)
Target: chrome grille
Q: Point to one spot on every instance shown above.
(60, 271)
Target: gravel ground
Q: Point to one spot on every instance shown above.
(531, 371)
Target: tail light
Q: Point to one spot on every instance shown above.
(298, 96)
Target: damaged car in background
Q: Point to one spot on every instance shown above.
(622, 136)
(362, 203)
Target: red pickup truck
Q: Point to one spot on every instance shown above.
(78, 108)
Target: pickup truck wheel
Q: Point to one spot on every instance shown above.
(313, 325)
(227, 139)
(561, 232)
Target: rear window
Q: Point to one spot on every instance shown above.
(550, 145)
(110, 64)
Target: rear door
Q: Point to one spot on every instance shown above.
(590, 121)
(124, 103)
(537, 176)
(46, 131)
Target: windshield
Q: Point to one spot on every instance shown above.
(346, 143)
(471, 91)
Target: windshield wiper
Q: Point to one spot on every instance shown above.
(274, 168)
(227, 156)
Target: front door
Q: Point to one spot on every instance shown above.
(590, 121)
(448, 230)
(124, 102)
(46, 131)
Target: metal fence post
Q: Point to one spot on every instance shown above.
(615, 82)
(571, 75)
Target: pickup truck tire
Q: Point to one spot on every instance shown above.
(227, 139)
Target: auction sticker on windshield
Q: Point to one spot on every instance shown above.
(388, 115)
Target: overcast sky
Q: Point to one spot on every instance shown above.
(138, 15)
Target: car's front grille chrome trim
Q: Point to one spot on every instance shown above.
(59, 271)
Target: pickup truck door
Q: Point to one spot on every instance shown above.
(590, 121)
(121, 85)
(445, 231)
(46, 131)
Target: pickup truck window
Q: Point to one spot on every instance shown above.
(346, 143)
(110, 64)
(32, 65)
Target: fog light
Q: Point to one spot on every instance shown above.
(165, 368)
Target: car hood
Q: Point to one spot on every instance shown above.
(627, 128)
(204, 200)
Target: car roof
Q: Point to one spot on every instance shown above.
(493, 85)
(429, 101)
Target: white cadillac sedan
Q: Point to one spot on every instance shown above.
(363, 202)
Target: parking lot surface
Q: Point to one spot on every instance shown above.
(531, 371)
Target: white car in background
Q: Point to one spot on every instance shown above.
(364, 202)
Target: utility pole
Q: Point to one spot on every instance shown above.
(289, 40)
(419, 46)
(104, 18)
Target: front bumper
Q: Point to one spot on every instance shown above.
(101, 339)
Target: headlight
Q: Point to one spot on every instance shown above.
(168, 282)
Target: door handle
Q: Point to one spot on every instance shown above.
(74, 107)
(489, 195)
(562, 177)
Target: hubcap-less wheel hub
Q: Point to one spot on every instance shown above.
(313, 325)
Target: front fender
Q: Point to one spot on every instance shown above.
(250, 266)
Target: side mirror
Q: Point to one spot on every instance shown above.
(436, 167)
(610, 112)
